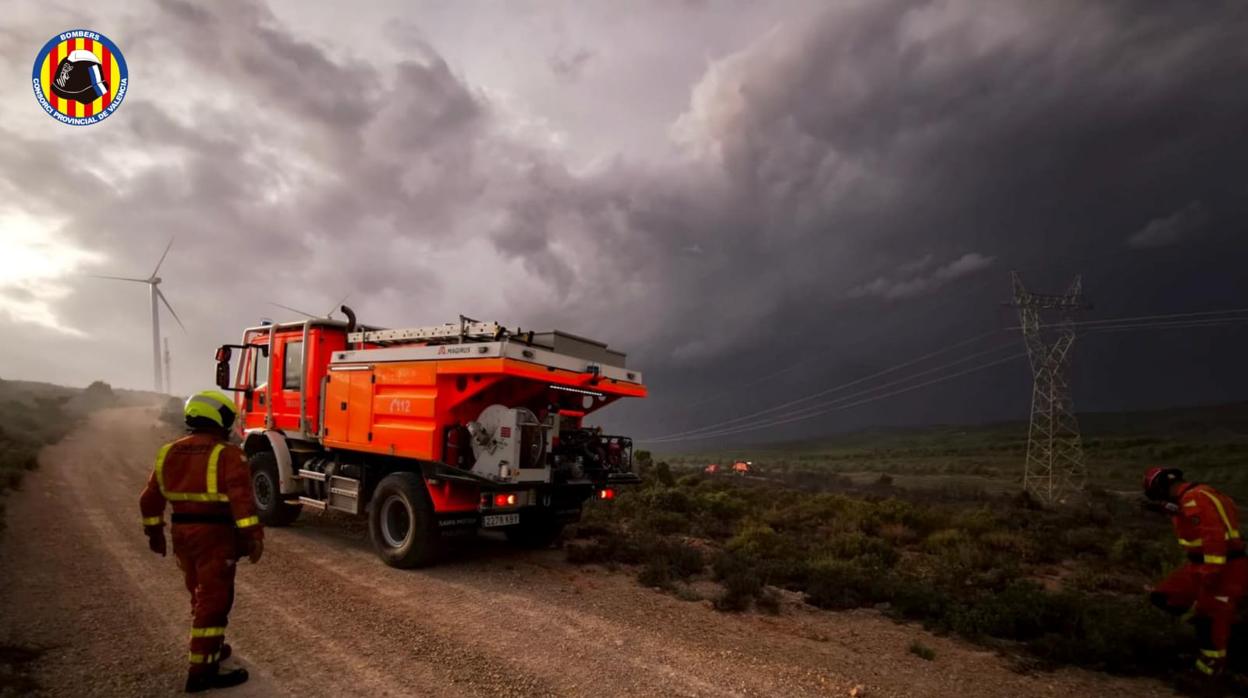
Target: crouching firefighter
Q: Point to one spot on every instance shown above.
(1209, 587)
(208, 484)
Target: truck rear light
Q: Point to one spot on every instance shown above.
(504, 500)
(606, 493)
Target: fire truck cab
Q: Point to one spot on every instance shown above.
(427, 431)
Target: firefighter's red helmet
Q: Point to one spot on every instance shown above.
(1157, 481)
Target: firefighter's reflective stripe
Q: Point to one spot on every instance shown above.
(1215, 560)
(196, 658)
(210, 479)
(160, 467)
(1204, 668)
(1191, 543)
(1214, 654)
(208, 632)
(1190, 503)
(1231, 532)
(152, 521)
(249, 521)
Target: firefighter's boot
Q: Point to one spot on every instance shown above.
(208, 680)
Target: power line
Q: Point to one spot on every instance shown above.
(843, 398)
(1133, 323)
(835, 389)
(788, 420)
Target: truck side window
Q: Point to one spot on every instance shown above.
(261, 365)
(292, 374)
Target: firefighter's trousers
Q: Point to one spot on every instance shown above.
(207, 555)
(1211, 601)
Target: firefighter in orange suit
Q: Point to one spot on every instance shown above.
(208, 484)
(1215, 578)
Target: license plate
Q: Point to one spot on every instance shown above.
(492, 520)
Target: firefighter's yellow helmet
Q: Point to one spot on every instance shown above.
(213, 405)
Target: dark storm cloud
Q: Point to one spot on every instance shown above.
(897, 155)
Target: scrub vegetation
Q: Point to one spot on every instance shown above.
(33, 415)
(930, 526)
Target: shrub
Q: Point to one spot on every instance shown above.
(723, 506)
(689, 481)
(1147, 556)
(946, 539)
(669, 500)
(741, 583)
(976, 521)
(859, 545)
(1006, 541)
(655, 573)
(840, 584)
(922, 651)
(663, 474)
(667, 522)
(757, 540)
(1087, 540)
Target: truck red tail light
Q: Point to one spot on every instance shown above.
(606, 493)
(504, 500)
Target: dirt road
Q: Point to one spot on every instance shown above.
(321, 616)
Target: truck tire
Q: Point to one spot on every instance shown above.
(534, 533)
(401, 522)
(266, 494)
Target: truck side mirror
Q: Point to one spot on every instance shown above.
(223, 373)
(223, 354)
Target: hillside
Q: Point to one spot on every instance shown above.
(1209, 442)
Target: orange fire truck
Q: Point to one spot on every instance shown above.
(428, 431)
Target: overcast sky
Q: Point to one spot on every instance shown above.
(721, 189)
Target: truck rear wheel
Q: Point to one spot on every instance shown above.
(534, 533)
(266, 494)
(401, 522)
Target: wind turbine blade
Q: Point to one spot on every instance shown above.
(116, 278)
(172, 312)
(337, 305)
(295, 310)
(162, 258)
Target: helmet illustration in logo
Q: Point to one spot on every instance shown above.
(79, 77)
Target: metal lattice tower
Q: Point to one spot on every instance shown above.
(1055, 464)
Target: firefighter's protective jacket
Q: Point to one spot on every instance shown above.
(1207, 525)
(201, 475)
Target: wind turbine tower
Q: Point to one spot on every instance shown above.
(168, 370)
(153, 284)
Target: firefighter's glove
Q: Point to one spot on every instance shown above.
(156, 540)
(257, 549)
(1167, 508)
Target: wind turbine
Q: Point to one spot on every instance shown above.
(153, 284)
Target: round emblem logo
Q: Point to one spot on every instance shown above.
(80, 77)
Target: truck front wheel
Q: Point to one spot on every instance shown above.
(266, 495)
(401, 522)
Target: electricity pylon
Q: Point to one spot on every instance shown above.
(1055, 464)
